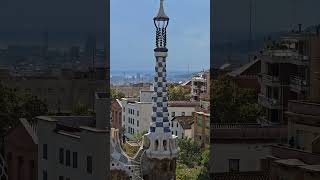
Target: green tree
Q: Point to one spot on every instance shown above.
(138, 136)
(223, 101)
(14, 106)
(81, 110)
(233, 105)
(117, 94)
(32, 107)
(178, 93)
(190, 152)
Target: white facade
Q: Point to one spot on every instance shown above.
(69, 152)
(136, 116)
(178, 130)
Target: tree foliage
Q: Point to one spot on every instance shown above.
(178, 93)
(117, 94)
(233, 105)
(81, 110)
(193, 161)
(138, 136)
(190, 152)
(14, 106)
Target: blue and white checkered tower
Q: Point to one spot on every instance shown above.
(162, 143)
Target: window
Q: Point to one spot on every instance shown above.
(172, 124)
(67, 157)
(173, 114)
(183, 113)
(137, 113)
(75, 159)
(177, 124)
(44, 175)
(124, 109)
(20, 165)
(138, 123)
(60, 177)
(32, 168)
(234, 165)
(45, 151)
(176, 133)
(61, 155)
(89, 164)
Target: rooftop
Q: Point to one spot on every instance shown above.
(290, 162)
(183, 104)
(185, 121)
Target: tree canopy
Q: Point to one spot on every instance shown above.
(117, 94)
(178, 93)
(193, 160)
(14, 106)
(233, 105)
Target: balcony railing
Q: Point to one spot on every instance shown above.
(298, 83)
(285, 56)
(269, 102)
(269, 79)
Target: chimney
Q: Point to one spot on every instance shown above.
(102, 110)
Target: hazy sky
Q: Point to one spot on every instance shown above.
(133, 34)
(231, 17)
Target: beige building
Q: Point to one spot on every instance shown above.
(287, 71)
(300, 158)
(200, 86)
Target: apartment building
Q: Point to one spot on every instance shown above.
(200, 85)
(136, 112)
(286, 73)
(75, 147)
(299, 158)
(201, 127)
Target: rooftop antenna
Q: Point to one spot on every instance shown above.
(250, 30)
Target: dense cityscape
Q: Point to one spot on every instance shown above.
(67, 114)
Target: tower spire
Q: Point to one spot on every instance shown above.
(161, 13)
(161, 145)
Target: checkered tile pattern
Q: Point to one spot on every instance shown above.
(160, 114)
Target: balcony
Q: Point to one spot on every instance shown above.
(298, 84)
(269, 79)
(269, 103)
(285, 56)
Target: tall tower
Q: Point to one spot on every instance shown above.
(161, 145)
